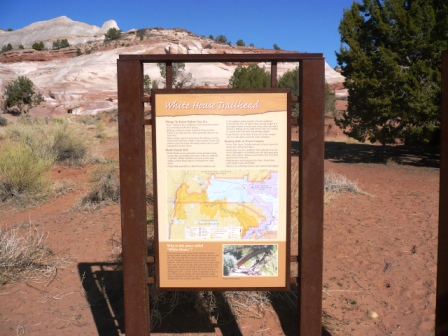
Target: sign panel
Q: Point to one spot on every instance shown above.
(222, 178)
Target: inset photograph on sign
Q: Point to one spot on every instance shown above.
(222, 177)
(250, 260)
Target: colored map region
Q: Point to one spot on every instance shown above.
(222, 204)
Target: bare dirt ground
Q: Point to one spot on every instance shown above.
(379, 256)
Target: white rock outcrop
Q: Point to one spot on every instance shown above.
(88, 83)
(59, 28)
(332, 76)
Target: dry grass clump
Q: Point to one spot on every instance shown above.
(105, 188)
(29, 149)
(56, 138)
(35, 134)
(207, 303)
(24, 256)
(88, 119)
(70, 145)
(24, 173)
(97, 124)
(248, 303)
(336, 183)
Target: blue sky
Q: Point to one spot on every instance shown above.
(298, 25)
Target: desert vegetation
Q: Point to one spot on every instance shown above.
(60, 43)
(29, 150)
(254, 76)
(141, 34)
(112, 34)
(104, 189)
(180, 79)
(240, 43)
(24, 255)
(31, 147)
(221, 39)
(20, 96)
(7, 47)
(398, 100)
(35, 151)
(38, 46)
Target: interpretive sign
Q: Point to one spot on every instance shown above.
(222, 182)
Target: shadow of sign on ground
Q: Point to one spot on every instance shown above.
(103, 287)
(418, 156)
(287, 315)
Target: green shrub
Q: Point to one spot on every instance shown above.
(21, 46)
(59, 44)
(7, 47)
(38, 46)
(221, 39)
(3, 121)
(146, 84)
(70, 146)
(141, 34)
(112, 34)
(290, 79)
(250, 77)
(20, 96)
(240, 43)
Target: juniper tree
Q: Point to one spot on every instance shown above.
(240, 43)
(254, 76)
(112, 34)
(250, 77)
(20, 95)
(391, 58)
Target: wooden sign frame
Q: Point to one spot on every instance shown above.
(182, 111)
(132, 122)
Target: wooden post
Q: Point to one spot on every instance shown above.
(131, 126)
(311, 195)
(169, 75)
(442, 258)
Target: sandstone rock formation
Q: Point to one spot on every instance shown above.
(82, 78)
(48, 31)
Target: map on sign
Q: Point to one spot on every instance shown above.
(222, 204)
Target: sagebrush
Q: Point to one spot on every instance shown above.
(24, 255)
(24, 173)
(105, 187)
